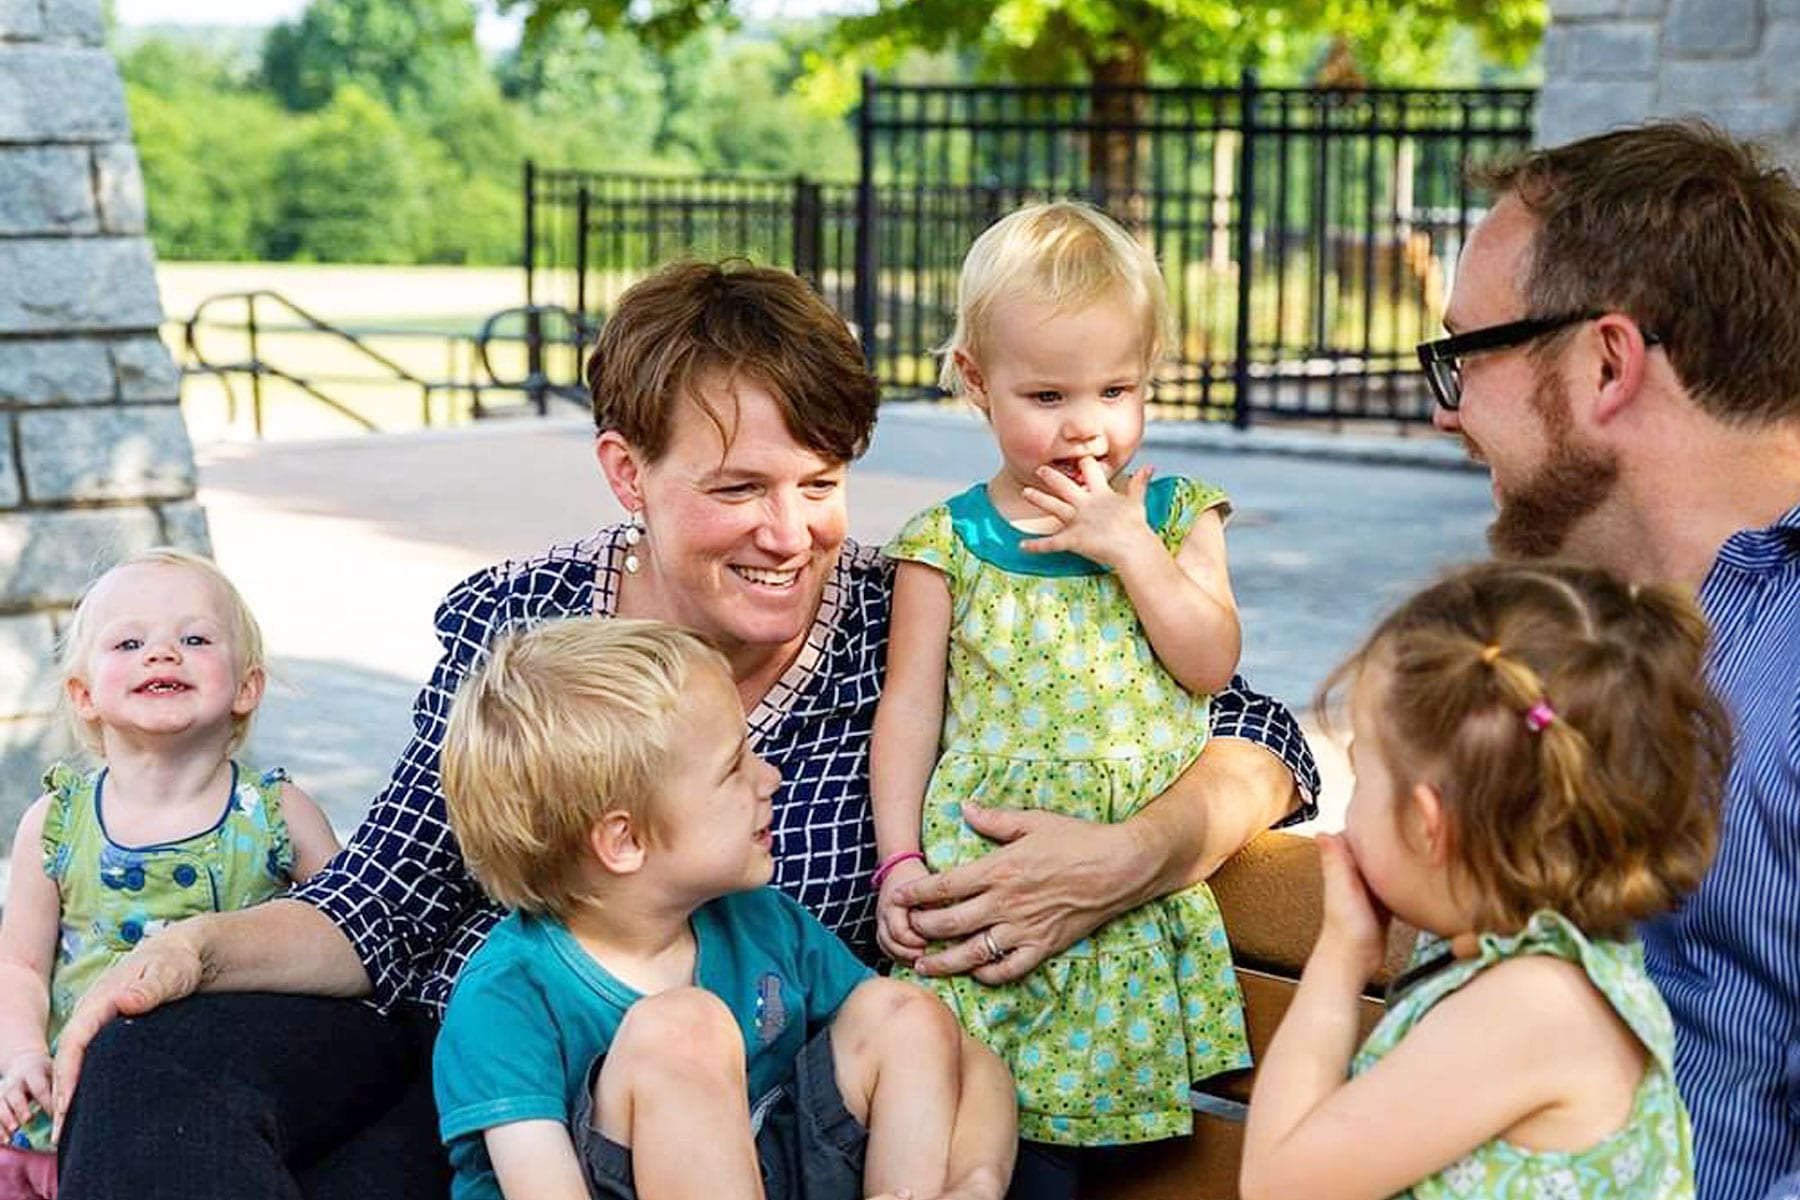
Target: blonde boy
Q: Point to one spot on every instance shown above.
(651, 1018)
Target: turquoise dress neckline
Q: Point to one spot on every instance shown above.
(993, 539)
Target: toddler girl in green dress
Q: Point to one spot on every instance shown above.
(1056, 633)
(1537, 758)
(162, 667)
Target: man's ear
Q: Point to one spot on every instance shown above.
(1623, 359)
(616, 843)
(974, 384)
(1427, 817)
(623, 466)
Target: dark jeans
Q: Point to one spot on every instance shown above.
(237, 1095)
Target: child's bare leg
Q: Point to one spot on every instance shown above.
(673, 1090)
(898, 1053)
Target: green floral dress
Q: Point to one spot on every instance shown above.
(112, 896)
(1056, 702)
(1651, 1156)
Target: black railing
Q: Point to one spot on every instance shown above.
(1307, 235)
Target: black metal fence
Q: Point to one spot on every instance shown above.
(1307, 235)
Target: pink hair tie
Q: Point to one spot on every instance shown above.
(1539, 716)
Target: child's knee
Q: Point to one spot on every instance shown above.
(684, 1034)
(892, 1012)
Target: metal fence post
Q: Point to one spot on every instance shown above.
(1246, 245)
(582, 201)
(864, 300)
(530, 225)
(809, 231)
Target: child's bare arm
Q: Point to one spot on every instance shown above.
(1484, 1059)
(315, 843)
(1183, 601)
(535, 1160)
(908, 724)
(28, 935)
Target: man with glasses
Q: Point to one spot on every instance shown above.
(1625, 357)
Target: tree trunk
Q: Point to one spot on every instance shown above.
(1116, 114)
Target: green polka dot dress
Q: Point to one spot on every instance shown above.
(1056, 702)
(113, 896)
(1650, 1157)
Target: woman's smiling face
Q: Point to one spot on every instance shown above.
(743, 525)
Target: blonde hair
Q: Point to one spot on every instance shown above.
(1065, 254)
(563, 724)
(78, 636)
(1564, 719)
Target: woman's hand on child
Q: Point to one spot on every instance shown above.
(1050, 882)
(162, 969)
(26, 1085)
(1355, 925)
(1099, 522)
(893, 920)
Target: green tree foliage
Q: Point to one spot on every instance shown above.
(349, 186)
(414, 54)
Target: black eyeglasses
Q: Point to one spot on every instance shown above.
(1442, 358)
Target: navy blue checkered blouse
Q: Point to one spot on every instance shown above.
(401, 893)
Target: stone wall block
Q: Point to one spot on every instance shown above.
(1553, 51)
(1783, 10)
(60, 94)
(121, 188)
(9, 471)
(60, 371)
(1763, 120)
(1780, 58)
(1712, 27)
(58, 285)
(1699, 87)
(1624, 49)
(1646, 8)
(1564, 10)
(125, 453)
(184, 525)
(21, 20)
(48, 557)
(78, 21)
(145, 369)
(27, 664)
(47, 191)
(1568, 110)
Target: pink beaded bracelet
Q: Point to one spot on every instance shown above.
(888, 864)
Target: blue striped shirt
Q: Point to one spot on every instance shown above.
(1728, 961)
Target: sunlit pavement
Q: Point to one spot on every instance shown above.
(343, 548)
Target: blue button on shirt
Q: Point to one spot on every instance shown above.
(1728, 961)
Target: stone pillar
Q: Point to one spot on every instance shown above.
(94, 458)
(1617, 62)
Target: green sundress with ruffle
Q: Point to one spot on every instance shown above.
(1650, 1157)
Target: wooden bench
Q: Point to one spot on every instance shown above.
(1272, 900)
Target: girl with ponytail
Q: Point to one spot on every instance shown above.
(1537, 763)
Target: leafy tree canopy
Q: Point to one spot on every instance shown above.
(413, 54)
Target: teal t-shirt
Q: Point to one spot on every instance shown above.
(532, 1010)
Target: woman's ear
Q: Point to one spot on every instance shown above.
(623, 467)
(81, 700)
(616, 844)
(1427, 816)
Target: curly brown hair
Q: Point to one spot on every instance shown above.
(1607, 813)
(691, 322)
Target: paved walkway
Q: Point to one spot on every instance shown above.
(344, 547)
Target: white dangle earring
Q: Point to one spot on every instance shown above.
(634, 533)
